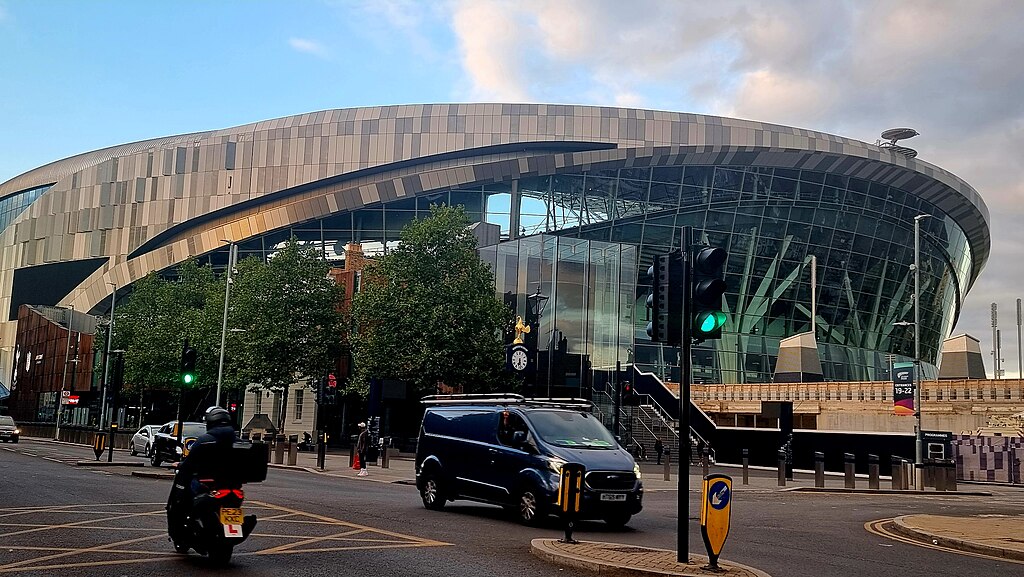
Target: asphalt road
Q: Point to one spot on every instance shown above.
(58, 519)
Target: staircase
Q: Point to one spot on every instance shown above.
(640, 425)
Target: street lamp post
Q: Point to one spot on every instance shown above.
(918, 434)
(106, 358)
(535, 304)
(64, 378)
(232, 256)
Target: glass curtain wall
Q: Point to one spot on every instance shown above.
(770, 220)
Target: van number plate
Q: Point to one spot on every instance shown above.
(613, 496)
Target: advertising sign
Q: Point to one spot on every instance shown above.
(903, 389)
(715, 512)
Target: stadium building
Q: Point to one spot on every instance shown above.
(774, 197)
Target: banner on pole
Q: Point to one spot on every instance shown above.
(903, 389)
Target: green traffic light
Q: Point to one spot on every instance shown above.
(710, 321)
(188, 379)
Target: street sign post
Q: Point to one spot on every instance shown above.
(715, 513)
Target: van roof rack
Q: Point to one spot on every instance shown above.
(507, 399)
(473, 398)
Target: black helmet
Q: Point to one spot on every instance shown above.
(217, 417)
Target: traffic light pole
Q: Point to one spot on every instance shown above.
(683, 493)
(617, 399)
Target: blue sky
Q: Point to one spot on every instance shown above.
(78, 76)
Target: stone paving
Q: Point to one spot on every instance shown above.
(619, 559)
(996, 535)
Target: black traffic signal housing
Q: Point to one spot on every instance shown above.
(330, 389)
(665, 300)
(188, 365)
(708, 289)
(629, 396)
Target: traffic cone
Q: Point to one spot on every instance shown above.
(355, 463)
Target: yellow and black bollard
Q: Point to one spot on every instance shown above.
(715, 514)
(570, 493)
(99, 442)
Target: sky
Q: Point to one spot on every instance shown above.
(76, 76)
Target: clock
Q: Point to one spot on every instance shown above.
(519, 359)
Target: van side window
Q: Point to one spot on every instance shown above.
(508, 424)
(471, 424)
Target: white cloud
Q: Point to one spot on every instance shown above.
(949, 69)
(309, 47)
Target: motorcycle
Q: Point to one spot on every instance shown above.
(209, 518)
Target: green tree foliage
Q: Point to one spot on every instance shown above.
(290, 310)
(427, 311)
(287, 306)
(152, 325)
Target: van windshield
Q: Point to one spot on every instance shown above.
(568, 429)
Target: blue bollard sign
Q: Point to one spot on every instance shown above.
(715, 513)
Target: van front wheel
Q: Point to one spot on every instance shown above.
(529, 509)
(431, 494)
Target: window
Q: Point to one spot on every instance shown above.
(257, 406)
(299, 394)
(508, 425)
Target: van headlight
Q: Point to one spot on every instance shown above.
(636, 470)
(17, 431)
(555, 465)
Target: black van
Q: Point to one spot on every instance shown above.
(508, 451)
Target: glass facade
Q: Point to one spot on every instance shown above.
(770, 220)
(13, 205)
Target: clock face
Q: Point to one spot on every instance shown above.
(519, 360)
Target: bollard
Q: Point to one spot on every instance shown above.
(279, 450)
(782, 467)
(321, 450)
(819, 469)
(746, 466)
(873, 472)
(908, 474)
(848, 462)
(668, 462)
(352, 454)
(385, 457)
(293, 449)
(895, 467)
(951, 476)
(705, 458)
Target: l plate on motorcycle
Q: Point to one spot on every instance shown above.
(231, 519)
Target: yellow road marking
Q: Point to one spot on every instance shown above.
(877, 528)
(69, 552)
(354, 536)
(80, 523)
(354, 525)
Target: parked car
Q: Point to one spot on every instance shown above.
(142, 440)
(510, 453)
(165, 441)
(9, 431)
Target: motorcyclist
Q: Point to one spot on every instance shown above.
(208, 458)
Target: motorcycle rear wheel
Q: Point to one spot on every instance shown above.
(221, 554)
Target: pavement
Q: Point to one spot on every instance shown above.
(997, 536)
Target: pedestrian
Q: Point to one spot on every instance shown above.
(362, 443)
(658, 448)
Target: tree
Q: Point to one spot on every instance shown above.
(152, 325)
(428, 313)
(290, 309)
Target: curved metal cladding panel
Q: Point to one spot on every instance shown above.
(178, 196)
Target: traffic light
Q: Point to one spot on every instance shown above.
(665, 300)
(629, 396)
(188, 365)
(707, 288)
(330, 389)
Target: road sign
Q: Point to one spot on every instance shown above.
(65, 394)
(715, 513)
(71, 400)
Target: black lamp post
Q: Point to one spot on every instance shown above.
(535, 304)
